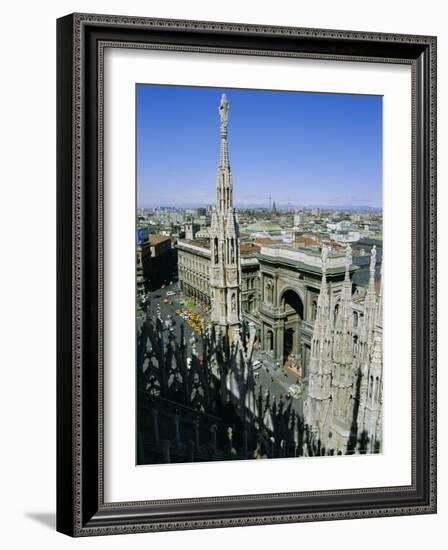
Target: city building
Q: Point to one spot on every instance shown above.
(158, 260)
(299, 218)
(191, 230)
(289, 288)
(203, 233)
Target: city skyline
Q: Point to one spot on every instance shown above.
(333, 161)
(279, 207)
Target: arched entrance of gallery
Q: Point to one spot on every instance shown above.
(292, 306)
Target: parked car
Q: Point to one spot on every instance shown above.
(257, 365)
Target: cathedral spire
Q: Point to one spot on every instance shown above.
(370, 300)
(372, 270)
(224, 115)
(343, 351)
(224, 186)
(225, 273)
(379, 310)
(322, 324)
(346, 298)
(317, 407)
(370, 314)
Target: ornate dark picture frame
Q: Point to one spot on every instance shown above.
(81, 509)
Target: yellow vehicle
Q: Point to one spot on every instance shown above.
(169, 302)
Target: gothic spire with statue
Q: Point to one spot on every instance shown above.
(225, 272)
(343, 405)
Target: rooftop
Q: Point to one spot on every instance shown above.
(263, 226)
(306, 241)
(307, 259)
(247, 249)
(157, 239)
(201, 243)
(265, 240)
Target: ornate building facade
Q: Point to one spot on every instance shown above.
(193, 262)
(289, 289)
(343, 408)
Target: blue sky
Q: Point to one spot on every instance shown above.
(300, 148)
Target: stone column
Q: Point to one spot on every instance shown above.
(190, 447)
(213, 430)
(279, 335)
(166, 447)
(245, 442)
(229, 439)
(304, 361)
(275, 297)
(298, 336)
(155, 419)
(196, 433)
(177, 429)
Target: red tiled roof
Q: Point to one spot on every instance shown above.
(307, 241)
(157, 239)
(265, 240)
(249, 248)
(201, 244)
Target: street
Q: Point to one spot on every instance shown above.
(156, 299)
(276, 381)
(269, 376)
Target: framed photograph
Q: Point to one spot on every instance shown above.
(246, 274)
